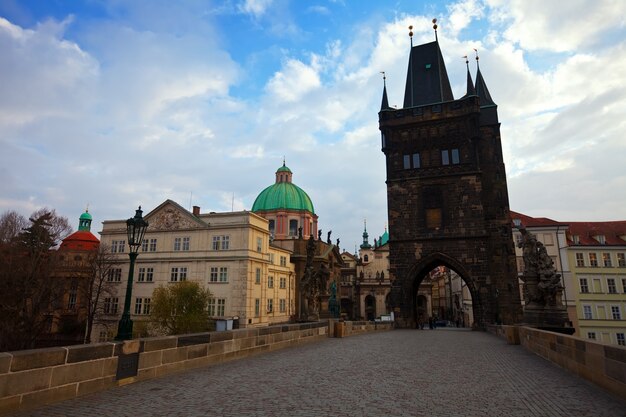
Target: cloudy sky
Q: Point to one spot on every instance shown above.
(113, 103)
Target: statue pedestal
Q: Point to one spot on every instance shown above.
(551, 318)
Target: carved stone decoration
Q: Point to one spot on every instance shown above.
(311, 285)
(542, 287)
(169, 218)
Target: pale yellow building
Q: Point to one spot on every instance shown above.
(597, 255)
(228, 253)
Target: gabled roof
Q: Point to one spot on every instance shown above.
(171, 215)
(588, 231)
(427, 79)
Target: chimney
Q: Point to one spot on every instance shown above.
(196, 210)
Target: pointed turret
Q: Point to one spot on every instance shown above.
(365, 244)
(488, 109)
(427, 79)
(471, 91)
(384, 105)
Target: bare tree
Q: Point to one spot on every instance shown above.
(96, 286)
(11, 224)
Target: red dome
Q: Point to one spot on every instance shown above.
(81, 240)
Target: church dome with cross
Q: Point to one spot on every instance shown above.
(287, 207)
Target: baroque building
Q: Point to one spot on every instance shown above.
(231, 254)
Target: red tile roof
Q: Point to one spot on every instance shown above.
(81, 240)
(534, 221)
(587, 230)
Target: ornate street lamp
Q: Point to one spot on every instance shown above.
(135, 228)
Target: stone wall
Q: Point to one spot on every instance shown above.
(352, 328)
(604, 365)
(31, 378)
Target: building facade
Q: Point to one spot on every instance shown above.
(596, 253)
(228, 253)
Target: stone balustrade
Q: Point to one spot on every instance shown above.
(604, 365)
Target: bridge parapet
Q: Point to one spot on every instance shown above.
(604, 365)
(32, 378)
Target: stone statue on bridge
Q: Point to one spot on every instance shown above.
(310, 286)
(542, 287)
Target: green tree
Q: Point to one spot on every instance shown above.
(180, 308)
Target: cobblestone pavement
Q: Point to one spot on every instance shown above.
(439, 372)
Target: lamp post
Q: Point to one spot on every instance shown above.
(135, 228)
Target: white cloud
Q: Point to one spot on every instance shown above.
(294, 81)
(257, 8)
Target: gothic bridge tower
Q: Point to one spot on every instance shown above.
(447, 192)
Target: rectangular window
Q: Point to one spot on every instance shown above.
(606, 260)
(584, 285)
(115, 275)
(259, 244)
(593, 259)
(283, 282)
(445, 157)
(221, 306)
(616, 313)
(270, 305)
(587, 314)
(257, 277)
(223, 274)
(282, 305)
(146, 306)
(270, 281)
(117, 246)
(580, 259)
(71, 301)
(178, 274)
(221, 242)
(576, 239)
(417, 163)
(610, 282)
(601, 239)
(153, 245)
(257, 307)
(433, 218)
(211, 307)
(383, 140)
(620, 339)
(182, 243)
(138, 305)
(591, 335)
(102, 336)
(145, 274)
(213, 274)
(455, 157)
(621, 260)
(407, 162)
(283, 261)
(144, 245)
(624, 285)
(272, 258)
(110, 305)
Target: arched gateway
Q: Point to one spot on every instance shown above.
(446, 191)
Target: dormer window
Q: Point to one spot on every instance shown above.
(576, 239)
(601, 239)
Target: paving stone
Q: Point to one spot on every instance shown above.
(398, 373)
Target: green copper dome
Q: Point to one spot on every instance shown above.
(85, 216)
(283, 195)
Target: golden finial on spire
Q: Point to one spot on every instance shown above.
(476, 50)
(435, 28)
(411, 34)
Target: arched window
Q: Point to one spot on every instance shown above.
(293, 227)
(366, 258)
(272, 225)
